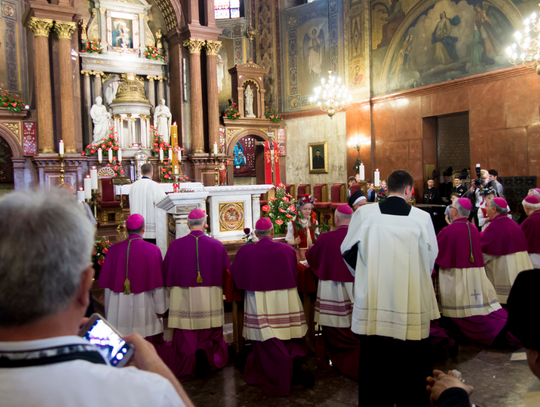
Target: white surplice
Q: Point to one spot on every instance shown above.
(137, 313)
(503, 270)
(196, 308)
(334, 304)
(143, 196)
(394, 295)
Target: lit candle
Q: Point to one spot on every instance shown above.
(110, 155)
(93, 177)
(362, 172)
(160, 154)
(80, 195)
(170, 154)
(377, 178)
(179, 155)
(215, 148)
(174, 142)
(119, 155)
(87, 187)
(61, 147)
(100, 155)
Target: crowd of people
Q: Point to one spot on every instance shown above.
(375, 299)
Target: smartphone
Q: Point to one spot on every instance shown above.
(108, 340)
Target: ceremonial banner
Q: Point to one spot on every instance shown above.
(281, 142)
(29, 138)
(268, 163)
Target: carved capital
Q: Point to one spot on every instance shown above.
(97, 73)
(102, 10)
(142, 15)
(40, 26)
(86, 72)
(161, 78)
(64, 29)
(152, 77)
(194, 45)
(212, 47)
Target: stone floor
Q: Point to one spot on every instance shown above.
(498, 382)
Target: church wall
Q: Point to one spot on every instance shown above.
(314, 129)
(504, 124)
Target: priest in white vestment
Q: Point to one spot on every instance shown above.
(143, 197)
(135, 294)
(391, 249)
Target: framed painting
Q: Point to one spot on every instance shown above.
(318, 158)
(123, 32)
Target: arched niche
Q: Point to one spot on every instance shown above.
(248, 74)
(14, 144)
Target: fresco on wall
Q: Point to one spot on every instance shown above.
(355, 42)
(11, 46)
(313, 46)
(225, 61)
(448, 40)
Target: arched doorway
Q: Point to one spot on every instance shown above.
(254, 173)
(7, 180)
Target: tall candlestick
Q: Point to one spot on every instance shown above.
(174, 143)
(61, 147)
(93, 177)
(160, 154)
(87, 187)
(215, 148)
(362, 172)
(100, 155)
(110, 155)
(119, 155)
(377, 178)
(170, 154)
(80, 195)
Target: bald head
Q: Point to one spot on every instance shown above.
(68, 187)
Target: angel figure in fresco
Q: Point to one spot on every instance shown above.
(401, 61)
(314, 52)
(445, 44)
(491, 42)
(391, 23)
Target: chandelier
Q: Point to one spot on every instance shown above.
(331, 96)
(526, 49)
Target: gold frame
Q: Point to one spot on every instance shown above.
(241, 222)
(324, 170)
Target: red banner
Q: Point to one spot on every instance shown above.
(268, 163)
(29, 138)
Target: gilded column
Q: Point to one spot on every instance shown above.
(41, 28)
(212, 49)
(87, 102)
(64, 30)
(97, 84)
(151, 90)
(197, 130)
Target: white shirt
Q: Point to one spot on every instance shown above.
(80, 383)
(143, 196)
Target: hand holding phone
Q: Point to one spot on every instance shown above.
(108, 340)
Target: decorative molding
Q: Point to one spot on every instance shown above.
(64, 29)
(212, 47)
(194, 45)
(40, 26)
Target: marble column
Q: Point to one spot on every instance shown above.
(64, 30)
(97, 84)
(134, 131)
(212, 49)
(87, 103)
(151, 90)
(142, 121)
(41, 28)
(255, 209)
(130, 136)
(161, 88)
(197, 129)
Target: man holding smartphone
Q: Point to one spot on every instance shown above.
(45, 274)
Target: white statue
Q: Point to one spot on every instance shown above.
(101, 118)
(248, 102)
(110, 91)
(162, 121)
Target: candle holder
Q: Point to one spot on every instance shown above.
(216, 170)
(93, 201)
(363, 186)
(62, 171)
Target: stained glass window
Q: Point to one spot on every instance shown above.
(226, 9)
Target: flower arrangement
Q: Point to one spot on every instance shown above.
(167, 174)
(231, 112)
(381, 197)
(92, 47)
(154, 53)
(106, 144)
(101, 247)
(272, 114)
(281, 209)
(248, 236)
(158, 143)
(11, 101)
(118, 171)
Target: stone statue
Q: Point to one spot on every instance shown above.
(101, 118)
(158, 39)
(162, 121)
(83, 30)
(248, 102)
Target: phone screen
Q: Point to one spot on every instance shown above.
(110, 345)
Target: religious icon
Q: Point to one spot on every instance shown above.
(314, 52)
(318, 154)
(231, 216)
(121, 34)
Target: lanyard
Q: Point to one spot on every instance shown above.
(49, 356)
(127, 288)
(199, 278)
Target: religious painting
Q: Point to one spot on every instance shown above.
(446, 41)
(231, 216)
(314, 61)
(29, 138)
(123, 31)
(318, 158)
(244, 157)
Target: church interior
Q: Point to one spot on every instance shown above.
(229, 99)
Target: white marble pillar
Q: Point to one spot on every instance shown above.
(255, 209)
(129, 135)
(97, 84)
(161, 88)
(142, 122)
(134, 138)
(142, 35)
(120, 130)
(151, 90)
(103, 30)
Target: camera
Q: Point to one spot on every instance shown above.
(478, 183)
